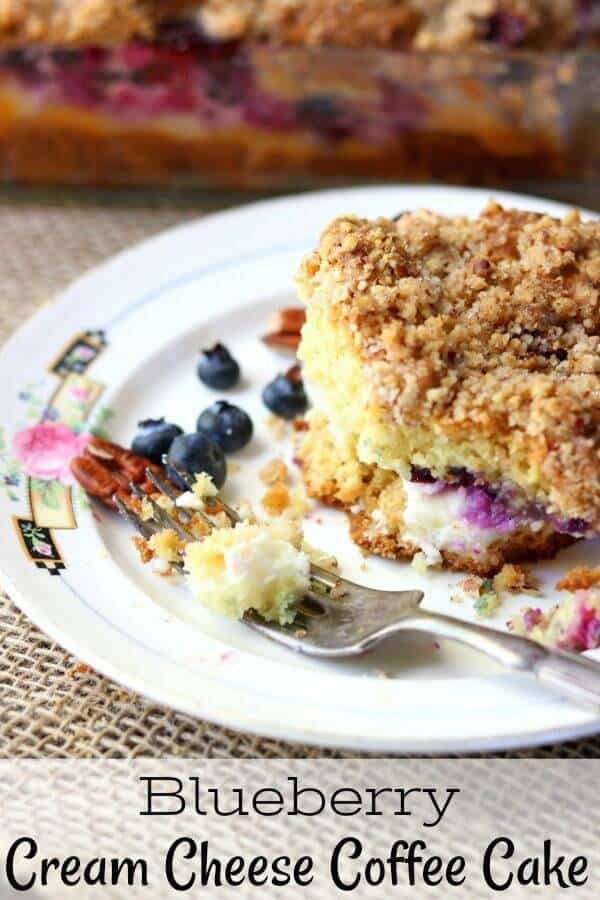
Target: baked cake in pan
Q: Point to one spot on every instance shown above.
(454, 366)
(279, 91)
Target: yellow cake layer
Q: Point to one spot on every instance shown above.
(444, 343)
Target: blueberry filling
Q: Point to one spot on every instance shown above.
(587, 18)
(498, 509)
(332, 119)
(184, 71)
(422, 476)
(461, 476)
(403, 108)
(506, 29)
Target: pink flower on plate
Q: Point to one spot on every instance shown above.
(43, 548)
(45, 450)
(80, 393)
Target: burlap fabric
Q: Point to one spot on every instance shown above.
(50, 706)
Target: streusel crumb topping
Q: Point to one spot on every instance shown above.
(419, 24)
(65, 22)
(485, 328)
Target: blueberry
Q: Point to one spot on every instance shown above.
(228, 82)
(227, 425)
(327, 115)
(285, 396)
(65, 57)
(506, 29)
(217, 368)
(195, 453)
(154, 437)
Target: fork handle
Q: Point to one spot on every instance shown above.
(568, 673)
(571, 674)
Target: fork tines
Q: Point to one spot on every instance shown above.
(162, 518)
(189, 480)
(146, 529)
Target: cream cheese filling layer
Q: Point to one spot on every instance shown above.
(432, 520)
(434, 523)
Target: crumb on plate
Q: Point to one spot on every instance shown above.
(481, 591)
(144, 551)
(515, 578)
(581, 577)
(277, 427)
(276, 499)
(573, 624)
(166, 545)
(274, 471)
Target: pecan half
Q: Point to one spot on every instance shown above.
(106, 469)
(284, 329)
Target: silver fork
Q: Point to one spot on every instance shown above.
(337, 618)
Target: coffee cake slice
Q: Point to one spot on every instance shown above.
(455, 369)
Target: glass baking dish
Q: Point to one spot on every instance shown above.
(188, 110)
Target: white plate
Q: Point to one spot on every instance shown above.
(73, 569)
